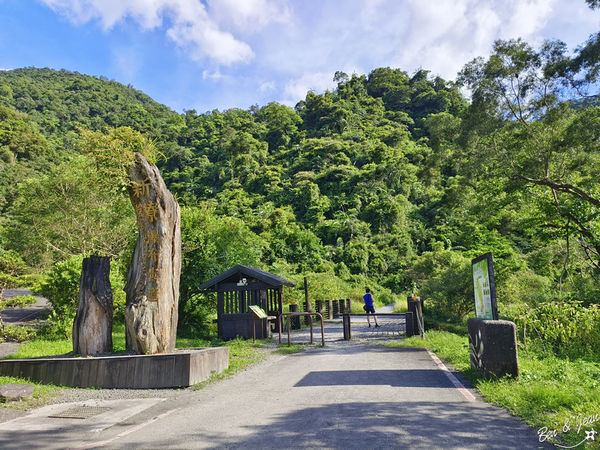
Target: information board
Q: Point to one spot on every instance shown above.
(258, 312)
(484, 287)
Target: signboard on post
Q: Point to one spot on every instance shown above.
(259, 313)
(484, 287)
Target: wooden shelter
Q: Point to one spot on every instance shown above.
(239, 288)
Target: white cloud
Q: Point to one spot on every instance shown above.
(446, 34)
(267, 87)
(214, 75)
(296, 89)
(297, 45)
(189, 24)
(249, 15)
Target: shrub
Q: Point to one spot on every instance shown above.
(17, 333)
(445, 283)
(61, 288)
(565, 329)
(17, 301)
(11, 263)
(524, 286)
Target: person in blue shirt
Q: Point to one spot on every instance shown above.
(369, 309)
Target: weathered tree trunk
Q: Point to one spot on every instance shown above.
(92, 327)
(152, 289)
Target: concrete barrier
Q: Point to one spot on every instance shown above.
(179, 369)
(493, 347)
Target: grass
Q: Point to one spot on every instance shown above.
(242, 354)
(550, 391)
(41, 346)
(285, 349)
(41, 395)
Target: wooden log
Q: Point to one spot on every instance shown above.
(92, 327)
(152, 288)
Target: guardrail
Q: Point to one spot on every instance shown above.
(299, 314)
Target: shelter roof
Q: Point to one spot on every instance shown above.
(240, 271)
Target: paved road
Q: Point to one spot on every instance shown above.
(346, 395)
(20, 316)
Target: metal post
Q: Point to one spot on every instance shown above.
(279, 325)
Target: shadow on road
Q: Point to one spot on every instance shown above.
(396, 378)
(377, 425)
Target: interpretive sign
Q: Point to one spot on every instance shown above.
(484, 287)
(258, 312)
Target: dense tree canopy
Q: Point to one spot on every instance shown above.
(392, 179)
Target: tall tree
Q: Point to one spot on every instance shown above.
(521, 127)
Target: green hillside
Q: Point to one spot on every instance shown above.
(393, 180)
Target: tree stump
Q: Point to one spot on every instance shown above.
(92, 327)
(152, 289)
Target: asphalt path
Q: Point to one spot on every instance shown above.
(345, 395)
(20, 316)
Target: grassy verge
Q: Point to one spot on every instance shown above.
(41, 395)
(242, 353)
(551, 393)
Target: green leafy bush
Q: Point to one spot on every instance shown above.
(17, 333)
(444, 281)
(565, 329)
(17, 301)
(61, 288)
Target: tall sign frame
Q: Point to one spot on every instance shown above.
(484, 287)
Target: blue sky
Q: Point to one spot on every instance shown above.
(207, 54)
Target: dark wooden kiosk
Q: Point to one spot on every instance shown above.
(239, 288)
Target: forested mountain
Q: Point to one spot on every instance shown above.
(393, 180)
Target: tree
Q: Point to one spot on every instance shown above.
(211, 245)
(69, 212)
(520, 127)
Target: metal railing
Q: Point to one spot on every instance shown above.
(300, 314)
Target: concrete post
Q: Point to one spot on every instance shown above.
(493, 347)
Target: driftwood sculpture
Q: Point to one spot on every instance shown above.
(152, 289)
(92, 327)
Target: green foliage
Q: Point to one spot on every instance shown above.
(62, 288)
(444, 280)
(564, 329)
(388, 180)
(19, 301)
(11, 263)
(17, 333)
(13, 270)
(211, 245)
(114, 153)
(69, 211)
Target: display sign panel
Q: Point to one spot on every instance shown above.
(258, 312)
(484, 287)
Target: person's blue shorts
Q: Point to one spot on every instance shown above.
(369, 309)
